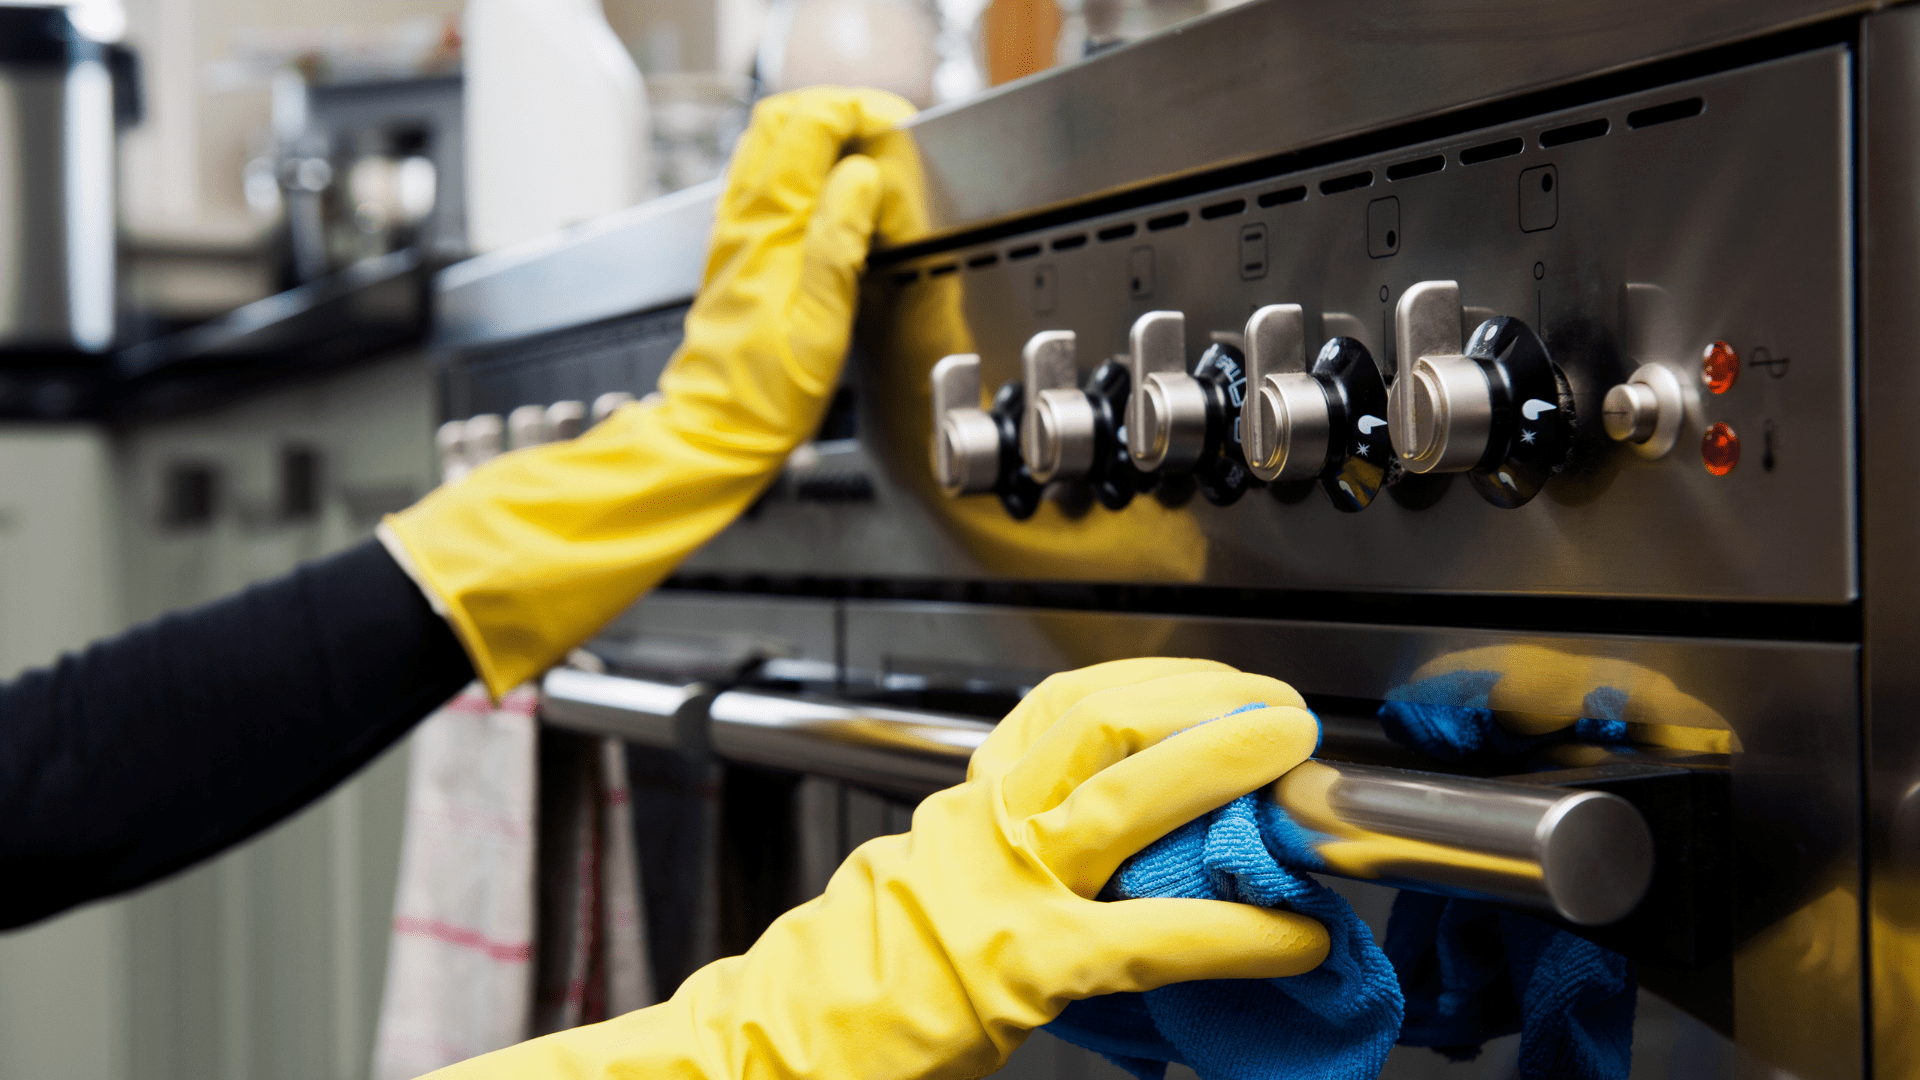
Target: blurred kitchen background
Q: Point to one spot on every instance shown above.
(218, 219)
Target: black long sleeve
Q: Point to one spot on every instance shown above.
(149, 751)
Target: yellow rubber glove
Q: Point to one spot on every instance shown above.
(933, 954)
(533, 552)
(1543, 690)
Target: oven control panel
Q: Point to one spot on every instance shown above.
(1606, 351)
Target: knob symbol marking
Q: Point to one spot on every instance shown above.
(1534, 407)
(1366, 424)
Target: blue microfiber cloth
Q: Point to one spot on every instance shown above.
(1473, 971)
(1336, 1022)
(1466, 971)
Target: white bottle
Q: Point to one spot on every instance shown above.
(556, 119)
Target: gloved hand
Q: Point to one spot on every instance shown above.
(534, 551)
(933, 954)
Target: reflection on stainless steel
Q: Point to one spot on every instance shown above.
(1586, 856)
(1691, 683)
(644, 257)
(1178, 103)
(894, 749)
(1890, 587)
(637, 710)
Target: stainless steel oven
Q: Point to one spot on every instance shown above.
(1365, 345)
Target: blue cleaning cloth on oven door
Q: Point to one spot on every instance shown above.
(1463, 728)
(1472, 971)
(1336, 1022)
(1461, 972)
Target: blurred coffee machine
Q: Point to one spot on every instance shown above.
(57, 120)
(364, 167)
(63, 94)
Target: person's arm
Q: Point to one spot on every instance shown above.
(160, 747)
(149, 751)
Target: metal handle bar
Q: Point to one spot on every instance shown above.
(638, 710)
(1586, 856)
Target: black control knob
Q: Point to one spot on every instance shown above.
(1221, 473)
(1114, 479)
(1359, 451)
(1019, 492)
(1533, 416)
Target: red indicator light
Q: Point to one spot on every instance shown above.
(1720, 367)
(1720, 450)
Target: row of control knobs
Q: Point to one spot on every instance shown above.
(465, 445)
(1477, 393)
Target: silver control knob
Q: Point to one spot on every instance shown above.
(605, 404)
(1286, 424)
(566, 419)
(527, 426)
(1057, 431)
(1647, 411)
(451, 441)
(1167, 411)
(1295, 407)
(1630, 413)
(1440, 407)
(966, 438)
(482, 438)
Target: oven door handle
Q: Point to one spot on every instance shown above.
(1584, 856)
(671, 716)
(909, 751)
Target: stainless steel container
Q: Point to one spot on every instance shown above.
(56, 186)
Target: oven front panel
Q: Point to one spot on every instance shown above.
(1711, 210)
(1771, 956)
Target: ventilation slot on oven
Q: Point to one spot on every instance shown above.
(1346, 183)
(1117, 232)
(1167, 221)
(1561, 136)
(1660, 114)
(1026, 252)
(1474, 155)
(981, 262)
(1068, 243)
(1220, 210)
(942, 270)
(1406, 170)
